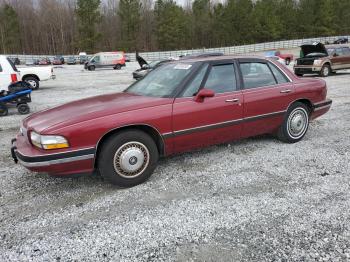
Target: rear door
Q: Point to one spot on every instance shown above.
(346, 58)
(267, 93)
(338, 59)
(215, 120)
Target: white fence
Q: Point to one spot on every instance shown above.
(242, 49)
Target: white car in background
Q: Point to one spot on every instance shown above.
(33, 75)
(8, 73)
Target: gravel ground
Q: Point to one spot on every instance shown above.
(252, 200)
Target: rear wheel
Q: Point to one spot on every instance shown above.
(23, 109)
(128, 158)
(117, 67)
(326, 70)
(295, 123)
(3, 110)
(34, 82)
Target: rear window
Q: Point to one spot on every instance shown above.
(256, 74)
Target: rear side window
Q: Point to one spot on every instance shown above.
(280, 77)
(222, 79)
(12, 64)
(194, 86)
(256, 74)
(346, 50)
(339, 51)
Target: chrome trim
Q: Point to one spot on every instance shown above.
(55, 162)
(322, 107)
(64, 152)
(222, 124)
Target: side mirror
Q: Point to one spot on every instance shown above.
(202, 94)
(145, 66)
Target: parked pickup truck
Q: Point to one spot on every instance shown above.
(286, 57)
(316, 58)
(33, 75)
(8, 73)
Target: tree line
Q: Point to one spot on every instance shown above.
(71, 26)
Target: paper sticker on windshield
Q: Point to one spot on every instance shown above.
(182, 66)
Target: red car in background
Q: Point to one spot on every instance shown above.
(286, 57)
(180, 106)
(45, 61)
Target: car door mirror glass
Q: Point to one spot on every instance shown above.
(202, 94)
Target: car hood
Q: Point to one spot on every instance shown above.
(313, 48)
(87, 109)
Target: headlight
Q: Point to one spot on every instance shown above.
(318, 62)
(48, 142)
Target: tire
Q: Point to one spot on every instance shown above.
(34, 82)
(117, 67)
(295, 123)
(23, 109)
(325, 70)
(91, 68)
(131, 146)
(287, 61)
(3, 110)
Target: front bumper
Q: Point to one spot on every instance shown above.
(58, 163)
(307, 69)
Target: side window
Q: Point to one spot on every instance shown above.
(339, 51)
(97, 59)
(0, 68)
(346, 50)
(256, 74)
(222, 79)
(194, 86)
(280, 77)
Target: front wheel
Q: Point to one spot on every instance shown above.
(128, 158)
(117, 67)
(23, 109)
(326, 70)
(34, 82)
(91, 68)
(295, 123)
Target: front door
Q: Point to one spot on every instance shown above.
(267, 93)
(215, 120)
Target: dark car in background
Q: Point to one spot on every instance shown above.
(15, 60)
(71, 60)
(145, 67)
(317, 58)
(341, 40)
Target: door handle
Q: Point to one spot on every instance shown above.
(233, 100)
(286, 91)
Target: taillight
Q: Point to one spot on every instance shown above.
(14, 78)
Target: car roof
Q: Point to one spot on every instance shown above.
(220, 58)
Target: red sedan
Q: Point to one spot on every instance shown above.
(181, 106)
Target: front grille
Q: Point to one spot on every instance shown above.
(305, 61)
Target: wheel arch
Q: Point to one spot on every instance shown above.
(150, 130)
(305, 101)
(30, 75)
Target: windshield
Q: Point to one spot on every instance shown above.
(163, 81)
